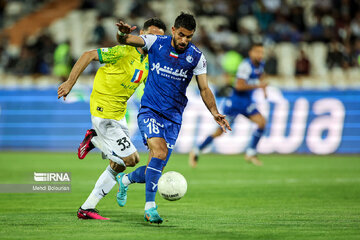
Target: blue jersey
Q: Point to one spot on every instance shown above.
(251, 74)
(240, 102)
(169, 75)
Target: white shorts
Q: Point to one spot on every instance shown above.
(112, 138)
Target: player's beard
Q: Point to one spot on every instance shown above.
(176, 47)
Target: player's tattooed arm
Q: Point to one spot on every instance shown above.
(123, 35)
(85, 59)
(209, 100)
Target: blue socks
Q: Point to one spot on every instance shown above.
(138, 175)
(153, 173)
(255, 138)
(207, 141)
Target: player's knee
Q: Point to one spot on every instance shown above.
(132, 160)
(262, 123)
(117, 167)
(160, 152)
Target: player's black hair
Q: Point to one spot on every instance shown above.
(185, 20)
(256, 44)
(154, 22)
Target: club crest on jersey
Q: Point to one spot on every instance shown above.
(137, 76)
(189, 59)
(174, 55)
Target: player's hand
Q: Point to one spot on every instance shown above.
(125, 28)
(220, 119)
(64, 90)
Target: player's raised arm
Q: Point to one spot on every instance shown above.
(65, 88)
(123, 35)
(209, 100)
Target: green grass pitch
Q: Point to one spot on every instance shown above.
(290, 197)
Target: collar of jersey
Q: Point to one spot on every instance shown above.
(142, 57)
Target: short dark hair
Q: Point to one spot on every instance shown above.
(185, 20)
(154, 22)
(256, 44)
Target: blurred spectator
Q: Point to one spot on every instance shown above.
(62, 61)
(105, 8)
(271, 5)
(99, 32)
(302, 65)
(355, 26)
(25, 64)
(271, 64)
(317, 31)
(44, 49)
(284, 31)
(335, 57)
(297, 18)
(356, 53)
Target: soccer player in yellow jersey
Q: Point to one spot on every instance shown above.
(126, 68)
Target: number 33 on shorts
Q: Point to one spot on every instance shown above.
(124, 143)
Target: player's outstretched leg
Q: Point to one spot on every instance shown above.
(194, 154)
(86, 145)
(153, 173)
(102, 187)
(124, 180)
(251, 154)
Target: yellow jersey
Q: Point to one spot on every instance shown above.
(126, 68)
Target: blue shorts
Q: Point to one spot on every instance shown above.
(246, 108)
(153, 124)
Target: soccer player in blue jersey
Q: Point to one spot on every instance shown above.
(249, 77)
(173, 62)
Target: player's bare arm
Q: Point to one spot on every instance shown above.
(262, 80)
(209, 100)
(124, 37)
(241, 85)
(85, 59)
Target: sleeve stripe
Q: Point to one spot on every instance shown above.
(100, 56)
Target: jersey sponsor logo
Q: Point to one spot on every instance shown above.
(177, 74)
(174, 55)
(104, 49)
(160, 46)
(132, 62)
(189, 59)
(137, 76)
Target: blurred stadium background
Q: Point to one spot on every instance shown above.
(312, 55)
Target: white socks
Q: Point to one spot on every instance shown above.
(102, 187)
(250, 152)
(125, 180)
(149, 205)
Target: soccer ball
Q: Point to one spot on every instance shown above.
(172, 186)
